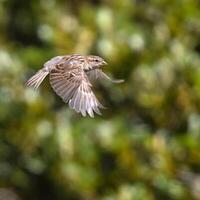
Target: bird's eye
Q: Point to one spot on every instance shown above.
(96, 60)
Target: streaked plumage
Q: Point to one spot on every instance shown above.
(70, 78)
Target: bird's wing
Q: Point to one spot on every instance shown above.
(99, 74)
(72, 85)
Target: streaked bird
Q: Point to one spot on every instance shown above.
(70, 77)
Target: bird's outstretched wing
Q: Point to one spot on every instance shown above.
(99, 74)
(72, 85)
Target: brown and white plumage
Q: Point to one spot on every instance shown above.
(70, 77)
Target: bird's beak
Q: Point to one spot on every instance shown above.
(104, 63)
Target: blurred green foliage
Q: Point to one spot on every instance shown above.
(146, 145)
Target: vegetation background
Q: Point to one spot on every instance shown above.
(146, 145)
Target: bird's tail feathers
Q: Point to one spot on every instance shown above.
(37, 79)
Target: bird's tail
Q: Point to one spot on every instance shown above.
(37, 79)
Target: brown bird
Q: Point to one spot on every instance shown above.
(70, 77)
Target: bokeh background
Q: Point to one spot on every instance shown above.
(146, 145)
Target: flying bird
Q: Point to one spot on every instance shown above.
(70, 77)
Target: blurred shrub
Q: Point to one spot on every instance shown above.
(146, 145)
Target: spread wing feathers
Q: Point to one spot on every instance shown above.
(64, 86)
(74, 87)
(99, 74)
(37, 79)
(84, 100)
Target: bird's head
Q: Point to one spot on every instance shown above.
(96, 61)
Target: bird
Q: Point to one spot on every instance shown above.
(70, 77)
